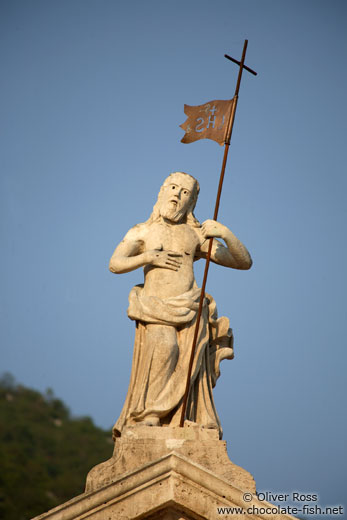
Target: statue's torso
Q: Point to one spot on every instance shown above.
(179, 238)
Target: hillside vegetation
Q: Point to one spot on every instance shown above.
(45, 454)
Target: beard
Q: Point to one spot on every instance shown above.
(172, 212)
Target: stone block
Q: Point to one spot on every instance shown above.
(164, 474)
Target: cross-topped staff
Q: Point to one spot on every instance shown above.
(217, 130)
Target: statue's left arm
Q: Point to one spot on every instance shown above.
(234, 254)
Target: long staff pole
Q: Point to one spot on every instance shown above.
(215, 215)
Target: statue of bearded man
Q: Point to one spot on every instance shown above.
(165, 309)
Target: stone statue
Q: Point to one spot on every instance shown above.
(165, 309)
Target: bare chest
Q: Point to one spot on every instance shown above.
(180, 238)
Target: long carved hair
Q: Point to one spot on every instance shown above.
(189, 217)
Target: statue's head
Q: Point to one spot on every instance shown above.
(176, 200)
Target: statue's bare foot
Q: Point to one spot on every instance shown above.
(151, 420)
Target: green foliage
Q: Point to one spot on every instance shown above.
(45, 454)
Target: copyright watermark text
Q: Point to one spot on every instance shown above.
(300, 503)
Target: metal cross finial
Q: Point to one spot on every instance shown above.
(239, 63)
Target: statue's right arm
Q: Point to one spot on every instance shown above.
(131, 254)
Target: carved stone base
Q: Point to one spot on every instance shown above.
(141, 445)
(165, 474)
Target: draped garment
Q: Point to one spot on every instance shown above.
(164, 398)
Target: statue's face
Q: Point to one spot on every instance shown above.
(177, 197)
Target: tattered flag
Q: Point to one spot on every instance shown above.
(208, 121)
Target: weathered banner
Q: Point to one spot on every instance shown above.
(208, 121)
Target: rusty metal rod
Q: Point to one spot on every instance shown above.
(215, 215)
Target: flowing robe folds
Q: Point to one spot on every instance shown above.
(162, 394)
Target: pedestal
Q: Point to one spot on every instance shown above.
(167, 474)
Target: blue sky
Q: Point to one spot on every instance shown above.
(92, 99)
